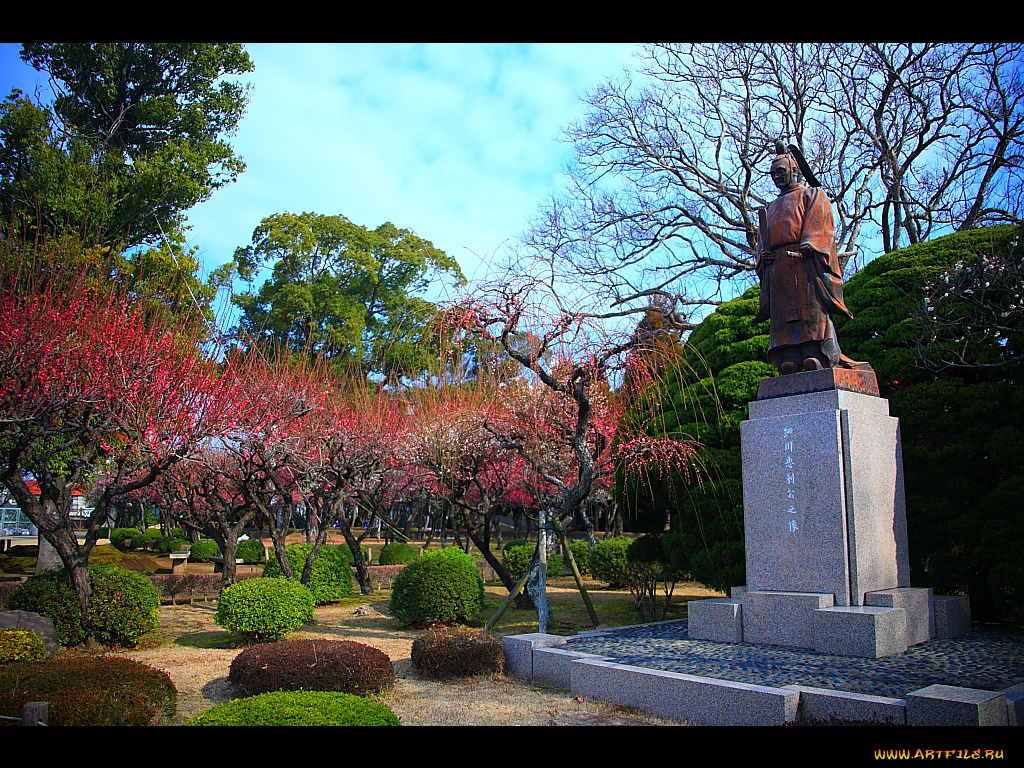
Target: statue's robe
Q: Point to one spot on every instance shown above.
(800, 294)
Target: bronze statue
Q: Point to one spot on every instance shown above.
(801, 279)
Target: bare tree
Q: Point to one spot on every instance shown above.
(671, 167)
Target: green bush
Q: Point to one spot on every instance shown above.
(49, 594)
(581, 554)
(517, 556)
(105, 554)
(119, 535)
(441, 587)
(20, 645)
(250, 551)
(608, 560)
(331, 576)
(203, 551)
(448, 653)
(167, 544)
(298, 708)
(89, 690)
(397, 553)
(264, 609)
(125, 605)
(313, 665)
(139, 542)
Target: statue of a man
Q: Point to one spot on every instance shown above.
(801, 280)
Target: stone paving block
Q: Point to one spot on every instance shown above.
(824, 704)
(951, 705)
(701, 700)
(718, 620)
(860, 630)
(737, 591)
(519, 652)
(553, 666)
(917, 602)
(952, 615)
(1015, 704)
(782, 618)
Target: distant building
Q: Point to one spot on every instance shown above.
(14, 522)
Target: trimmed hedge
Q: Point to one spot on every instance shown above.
(118, 537)
(298, 708)
(449, 653)
(89, 690)
(397, 553)
(203, 551)
(608, 560)
(441, 587)
(331, 577)
(313, 665)
(264, 609)
(251, 552)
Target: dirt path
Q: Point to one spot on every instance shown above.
(197, 654)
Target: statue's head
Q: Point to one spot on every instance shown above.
(785, 172)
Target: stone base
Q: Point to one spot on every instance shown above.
(519, 652)
(782, 618)
(917, 602)
(718, 620)
(952, 615)
(860, 630)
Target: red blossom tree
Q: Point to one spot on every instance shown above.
(89, 387)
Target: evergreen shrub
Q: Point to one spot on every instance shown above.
(203, 551)
(264, 609)
(313, 665)
(608, 560)
(118, 536)
(517, 556)
(20, 645)
(298, 708)
(581, 554)
(89, 690)
(250, 551)
(441, 587)
(449, 653)
(331, 577)
(49, 594)
(397, 553)
(167, 544)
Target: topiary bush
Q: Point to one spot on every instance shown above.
(441, 587)
(397, 553)
(298, 708)
(119, 537)
(89, 690)
(449, 653)
(264, 609)
(581, 554)
(125, 605)
(608, 560)
(517, 557)
(331, 577)
(49, 594)
(203, 551)
(251, 551)
(20, 645)
(313, 665)
(167, 544)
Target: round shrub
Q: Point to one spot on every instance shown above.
(264, 609)
(448, 653)
(203, 551)
(581, 554)
(139, 542)
(89, 690)
(49, 594)
(20, 645)
(105, 554)
(118, 537)
(167, 544)
(331, 576)
(518, 555)
(313, 665)
(250, 551)
(397, 553)
(608, 560)
(125, 605)
(298, 708)
(441, 587)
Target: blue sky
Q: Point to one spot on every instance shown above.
(458, 142)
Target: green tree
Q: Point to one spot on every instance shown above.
(343, 291)
(134, 138)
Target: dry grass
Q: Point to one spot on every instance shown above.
(197, 654)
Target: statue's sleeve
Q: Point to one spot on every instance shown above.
(818, 226)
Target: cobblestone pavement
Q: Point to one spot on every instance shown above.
(990, 658)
